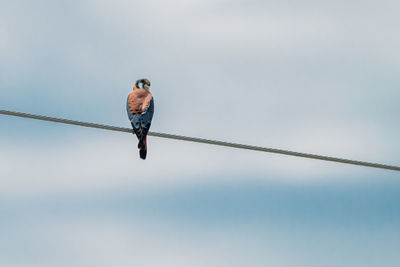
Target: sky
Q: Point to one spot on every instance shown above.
(316, 77)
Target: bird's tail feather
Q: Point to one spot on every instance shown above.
(140, 144)
(142, 153)
(143, 148)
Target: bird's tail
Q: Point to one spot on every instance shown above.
(143, 148)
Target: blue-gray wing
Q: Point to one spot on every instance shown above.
(141, 122)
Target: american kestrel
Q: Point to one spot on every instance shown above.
(140, 108)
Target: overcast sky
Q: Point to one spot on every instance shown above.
(317, 77)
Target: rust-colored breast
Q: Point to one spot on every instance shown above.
(139, 100)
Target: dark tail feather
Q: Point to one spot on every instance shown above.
(141, 144)
(143, 148)
(143, 153)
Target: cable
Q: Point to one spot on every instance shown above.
(201, 140)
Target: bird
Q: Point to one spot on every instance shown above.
(140, 108)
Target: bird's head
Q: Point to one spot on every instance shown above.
(143, 84)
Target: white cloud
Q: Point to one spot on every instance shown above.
(103, 162)
(202, 24)
(3, 40)
(233, 26)
(120, 242)
(293, 75)
(288, 103)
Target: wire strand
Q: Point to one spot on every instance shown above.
(203, 141)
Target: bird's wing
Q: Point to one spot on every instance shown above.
(140, 112)
(147, 114)
(147, 102)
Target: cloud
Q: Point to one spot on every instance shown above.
(181, 24)
(279, 76)
(213, 224)
(307, 76)
(90, 161)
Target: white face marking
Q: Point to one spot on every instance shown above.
(145, 86)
